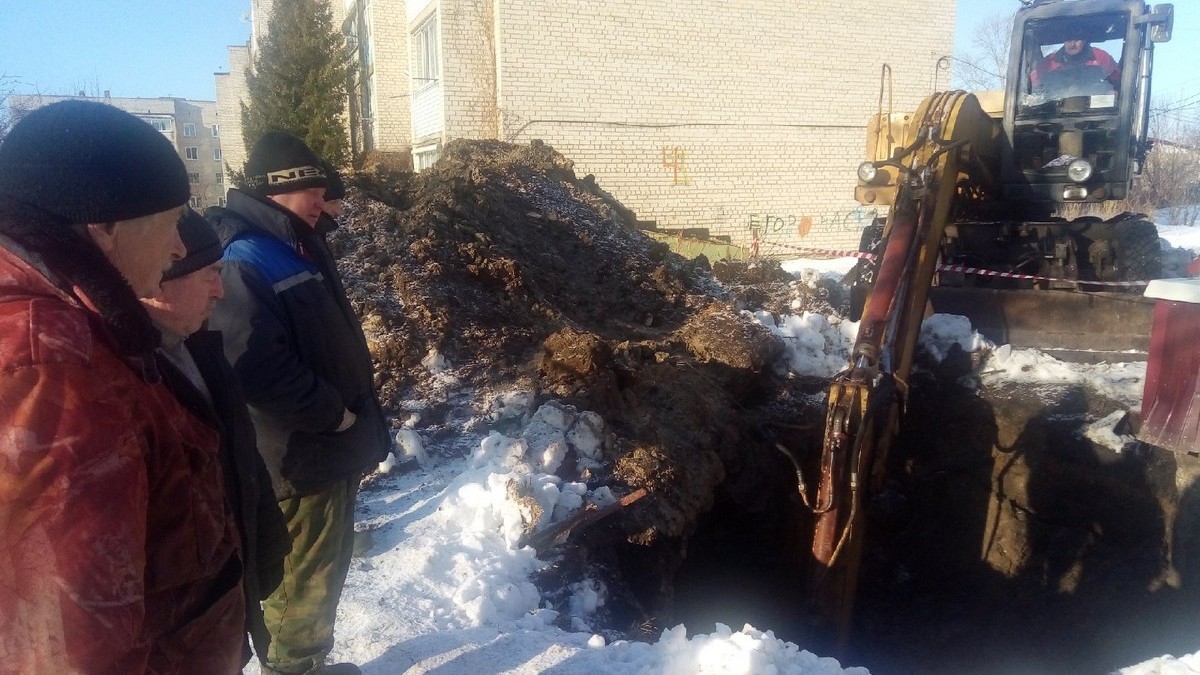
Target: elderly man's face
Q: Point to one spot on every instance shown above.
(183, 304)
(304, 203)
(142, 248)
(1073, 47)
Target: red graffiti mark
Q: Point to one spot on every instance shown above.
(675, 159)
(805, 226)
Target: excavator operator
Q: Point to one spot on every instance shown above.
(1076, 68)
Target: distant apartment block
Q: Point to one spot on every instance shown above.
(743, 119)
(193, 127)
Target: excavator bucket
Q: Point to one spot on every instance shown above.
(1171, 397)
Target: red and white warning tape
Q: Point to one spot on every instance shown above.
(963, 269)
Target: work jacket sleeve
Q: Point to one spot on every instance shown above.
(73, 514)
(260, 343)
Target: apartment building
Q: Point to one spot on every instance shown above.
(232, 89)
(743, 119)
(193, 127)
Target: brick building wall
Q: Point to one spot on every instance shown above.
(469, 69)
(735, 117)
(391, 123)
(232, 91)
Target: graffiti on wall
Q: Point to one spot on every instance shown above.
(769, 225)
(675, 159)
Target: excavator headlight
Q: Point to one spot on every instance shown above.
(1080, 170)
(867, 172)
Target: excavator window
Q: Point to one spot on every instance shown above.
(1074, 58)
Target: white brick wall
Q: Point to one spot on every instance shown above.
(393, 108)
(469, 68)
(725, 115)
(232, 91)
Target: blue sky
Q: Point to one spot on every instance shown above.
(130, 47)
(172, 47)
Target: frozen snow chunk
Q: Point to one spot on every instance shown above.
(499, 450)
(586, 436)
(570, 498)
(512, 405)
(596, 642)
(1000, 354)
(435, 363)
(813, 345)
(546, 435)
(586, 597)
(602, 496)
(538, 619)
(1103, 432)
(388, 464)
(941, 331)
(410, 443)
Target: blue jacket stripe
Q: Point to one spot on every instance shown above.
(274, 259)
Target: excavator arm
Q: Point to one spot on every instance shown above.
(927, 168)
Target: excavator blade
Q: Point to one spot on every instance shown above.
(1071, 326)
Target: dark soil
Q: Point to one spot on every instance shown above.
(990, 542)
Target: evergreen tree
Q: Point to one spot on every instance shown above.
(299, 80)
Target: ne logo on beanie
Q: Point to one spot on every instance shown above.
(280, 163)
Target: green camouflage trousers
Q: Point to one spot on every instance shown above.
(300, 613)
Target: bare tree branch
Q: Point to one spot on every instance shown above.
(985, 62)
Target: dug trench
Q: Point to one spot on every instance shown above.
(1002, 541)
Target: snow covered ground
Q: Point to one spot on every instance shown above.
(445, 589)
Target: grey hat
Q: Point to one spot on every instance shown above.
(203, 246)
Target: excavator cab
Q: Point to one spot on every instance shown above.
(1078, 97)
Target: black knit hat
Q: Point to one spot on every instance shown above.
(203, 246)
(85, 162)
(280, 163)
(335, 189)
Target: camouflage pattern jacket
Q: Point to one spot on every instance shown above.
(118, 553)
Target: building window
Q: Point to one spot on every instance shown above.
(216, 130)
(220, 178)
(216, 153)
(161, 124)
(193, 177)
(429, 65)
(194, 202)
(191, 152)
(425, 156)
(189, 130)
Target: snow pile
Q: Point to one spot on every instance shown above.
(814, 344)
(447, 584)
(1120, 382)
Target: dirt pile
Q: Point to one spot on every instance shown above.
(499, 274)
(499, 266)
